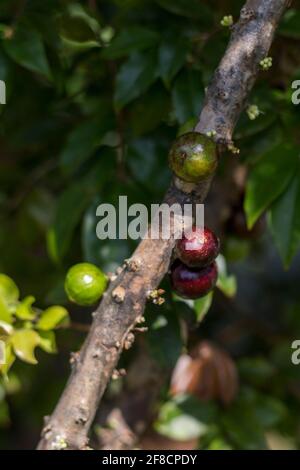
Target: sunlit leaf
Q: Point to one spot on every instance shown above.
(24, 343)
(47, 341)
(226, 283)
(5, 313)
(5, 329)
(202, 306)
(9, 359)
(24, 310)
(184, 418)
(53, 317)
(9, 291)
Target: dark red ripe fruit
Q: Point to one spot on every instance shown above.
(198, 248)
(193, 283)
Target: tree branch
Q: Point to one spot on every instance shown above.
(123, 304)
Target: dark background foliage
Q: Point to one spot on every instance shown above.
(96, 92)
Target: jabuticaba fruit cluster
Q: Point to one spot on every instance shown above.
(193, 158)
(194, 273)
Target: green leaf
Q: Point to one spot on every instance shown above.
(75, 46)
(70, 207)
(182, 428)
(78, 29)
(184, 418)
(248, 128)
(268, 179)
(219, 443)
(81, 143)
(154, 106)
(9, 291)
(47, 341)
(78, 26)
(146, 159)
(194, 9)
(290, 24)
(72, 203)
(9, 359)
(53, 317)
(24, 310)
(5, 329)
(171, 56)
(134, 77)
(269, 411)
(236, 249)
(24, 343)
(27, 49)
(5, 313)
(256, 370)
(202, 306)
(284, 219)
(4, 413)
(13, 385)
(249, 436)
(108, 254)
(188, 126)
(226, 283)
(77, 11)
(187, 95)
(130, 40)
(165, 343)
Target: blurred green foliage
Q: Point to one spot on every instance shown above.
(96, 92)
(24, 327)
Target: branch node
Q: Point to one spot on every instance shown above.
(112, 277)
(247, 14)
(132, 265)
(141, 329)
(233, 149)
(96, 354)
(129, 340)
(74, 359)
(118, 294)
(118, 373)
(140, 319)
(81, 416)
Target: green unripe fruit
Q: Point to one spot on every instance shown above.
(85, 284)
(193, 157)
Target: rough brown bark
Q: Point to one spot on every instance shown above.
(123, 304)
